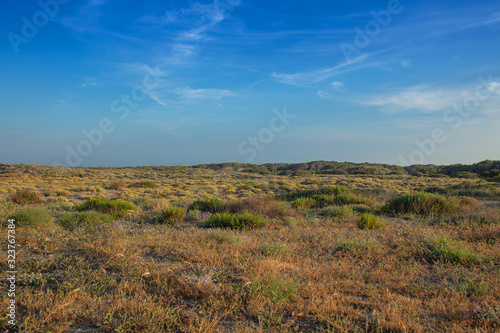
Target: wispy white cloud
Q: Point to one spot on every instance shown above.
(90, 82)
(335, 86)
(429, 99)
(419, 98)
(192, 22)
(406, 62)
(87, 19)
(189, 94)
(304, 78)
(310, 77)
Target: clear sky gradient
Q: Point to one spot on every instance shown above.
(127, 83)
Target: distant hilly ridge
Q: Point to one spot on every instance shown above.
(487, 170)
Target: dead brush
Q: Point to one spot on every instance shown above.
(262, 205)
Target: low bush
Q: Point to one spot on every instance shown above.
(26, 197)
(171, 215)
(213, 205)
(32, 216)
(351, 198)
(81, 219)
(235, 221)
(117, 185)
(117, 209)
(421, 204)
(369, 221)
(338, 212)
(304, 203)
(260, 205)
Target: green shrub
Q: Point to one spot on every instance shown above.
(369, 221)
(235, 221)
(421, 204)
(304, 203)
(323, 200)
(193, 215)
(26, 197)
(171, 215)
(339, 190)
(32, 216)
(213, 205)
(117, 209)
(80, 219)
(337, 212)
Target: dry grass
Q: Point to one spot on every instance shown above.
(318, 274)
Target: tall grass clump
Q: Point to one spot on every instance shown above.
(117, 209)
(26, 197)
(32, 216)
(214, 205)
(81, 219)
(171, 215)
(235, 221)
(369, 221)
(421, 204)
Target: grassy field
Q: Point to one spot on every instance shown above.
(202, 250)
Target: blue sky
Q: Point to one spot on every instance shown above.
(190, 82)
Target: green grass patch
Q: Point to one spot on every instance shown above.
(235, 221)
(338, 212)
(275, 289)
(72, 221)
(221, 236)
(357, 246)
(289, 221)
(117, 209)
(33, 216)
(275, 249)
(443, 249)
(471, 288)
